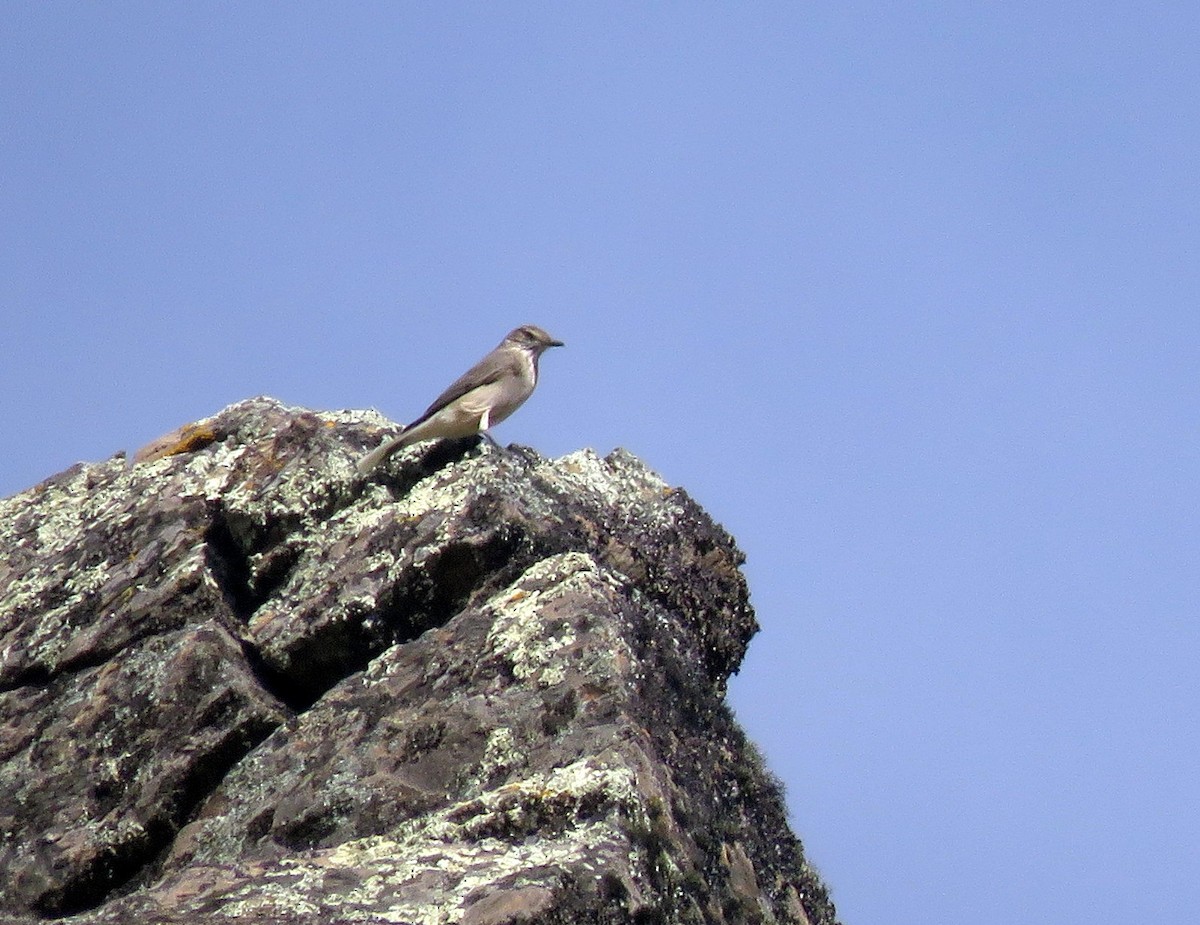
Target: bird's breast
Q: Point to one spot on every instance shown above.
(512, 391)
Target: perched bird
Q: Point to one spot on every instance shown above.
(484, 395)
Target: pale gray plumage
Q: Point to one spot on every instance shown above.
(484, 395)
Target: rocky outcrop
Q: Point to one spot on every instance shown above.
(241, 683)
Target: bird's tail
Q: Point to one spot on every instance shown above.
(379, 454)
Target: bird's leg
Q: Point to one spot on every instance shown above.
(485, 421)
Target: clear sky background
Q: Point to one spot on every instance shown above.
(904, 294)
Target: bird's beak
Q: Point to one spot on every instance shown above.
(556, 343)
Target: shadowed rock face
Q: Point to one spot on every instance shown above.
(238, 682)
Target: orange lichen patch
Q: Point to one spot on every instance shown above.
(185, 439)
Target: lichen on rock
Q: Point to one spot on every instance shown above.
(239, 683)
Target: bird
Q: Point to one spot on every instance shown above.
(484, 395)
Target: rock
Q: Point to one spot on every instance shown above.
(240, 682)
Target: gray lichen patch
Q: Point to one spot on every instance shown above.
(535, 621)
(620, 481)
(434, 869)
(409, 881)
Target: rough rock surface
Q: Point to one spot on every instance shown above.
(239, 683)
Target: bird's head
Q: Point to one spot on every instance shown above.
(532, 338)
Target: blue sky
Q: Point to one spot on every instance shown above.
(904, 295)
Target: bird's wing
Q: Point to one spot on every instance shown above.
(486, 371)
